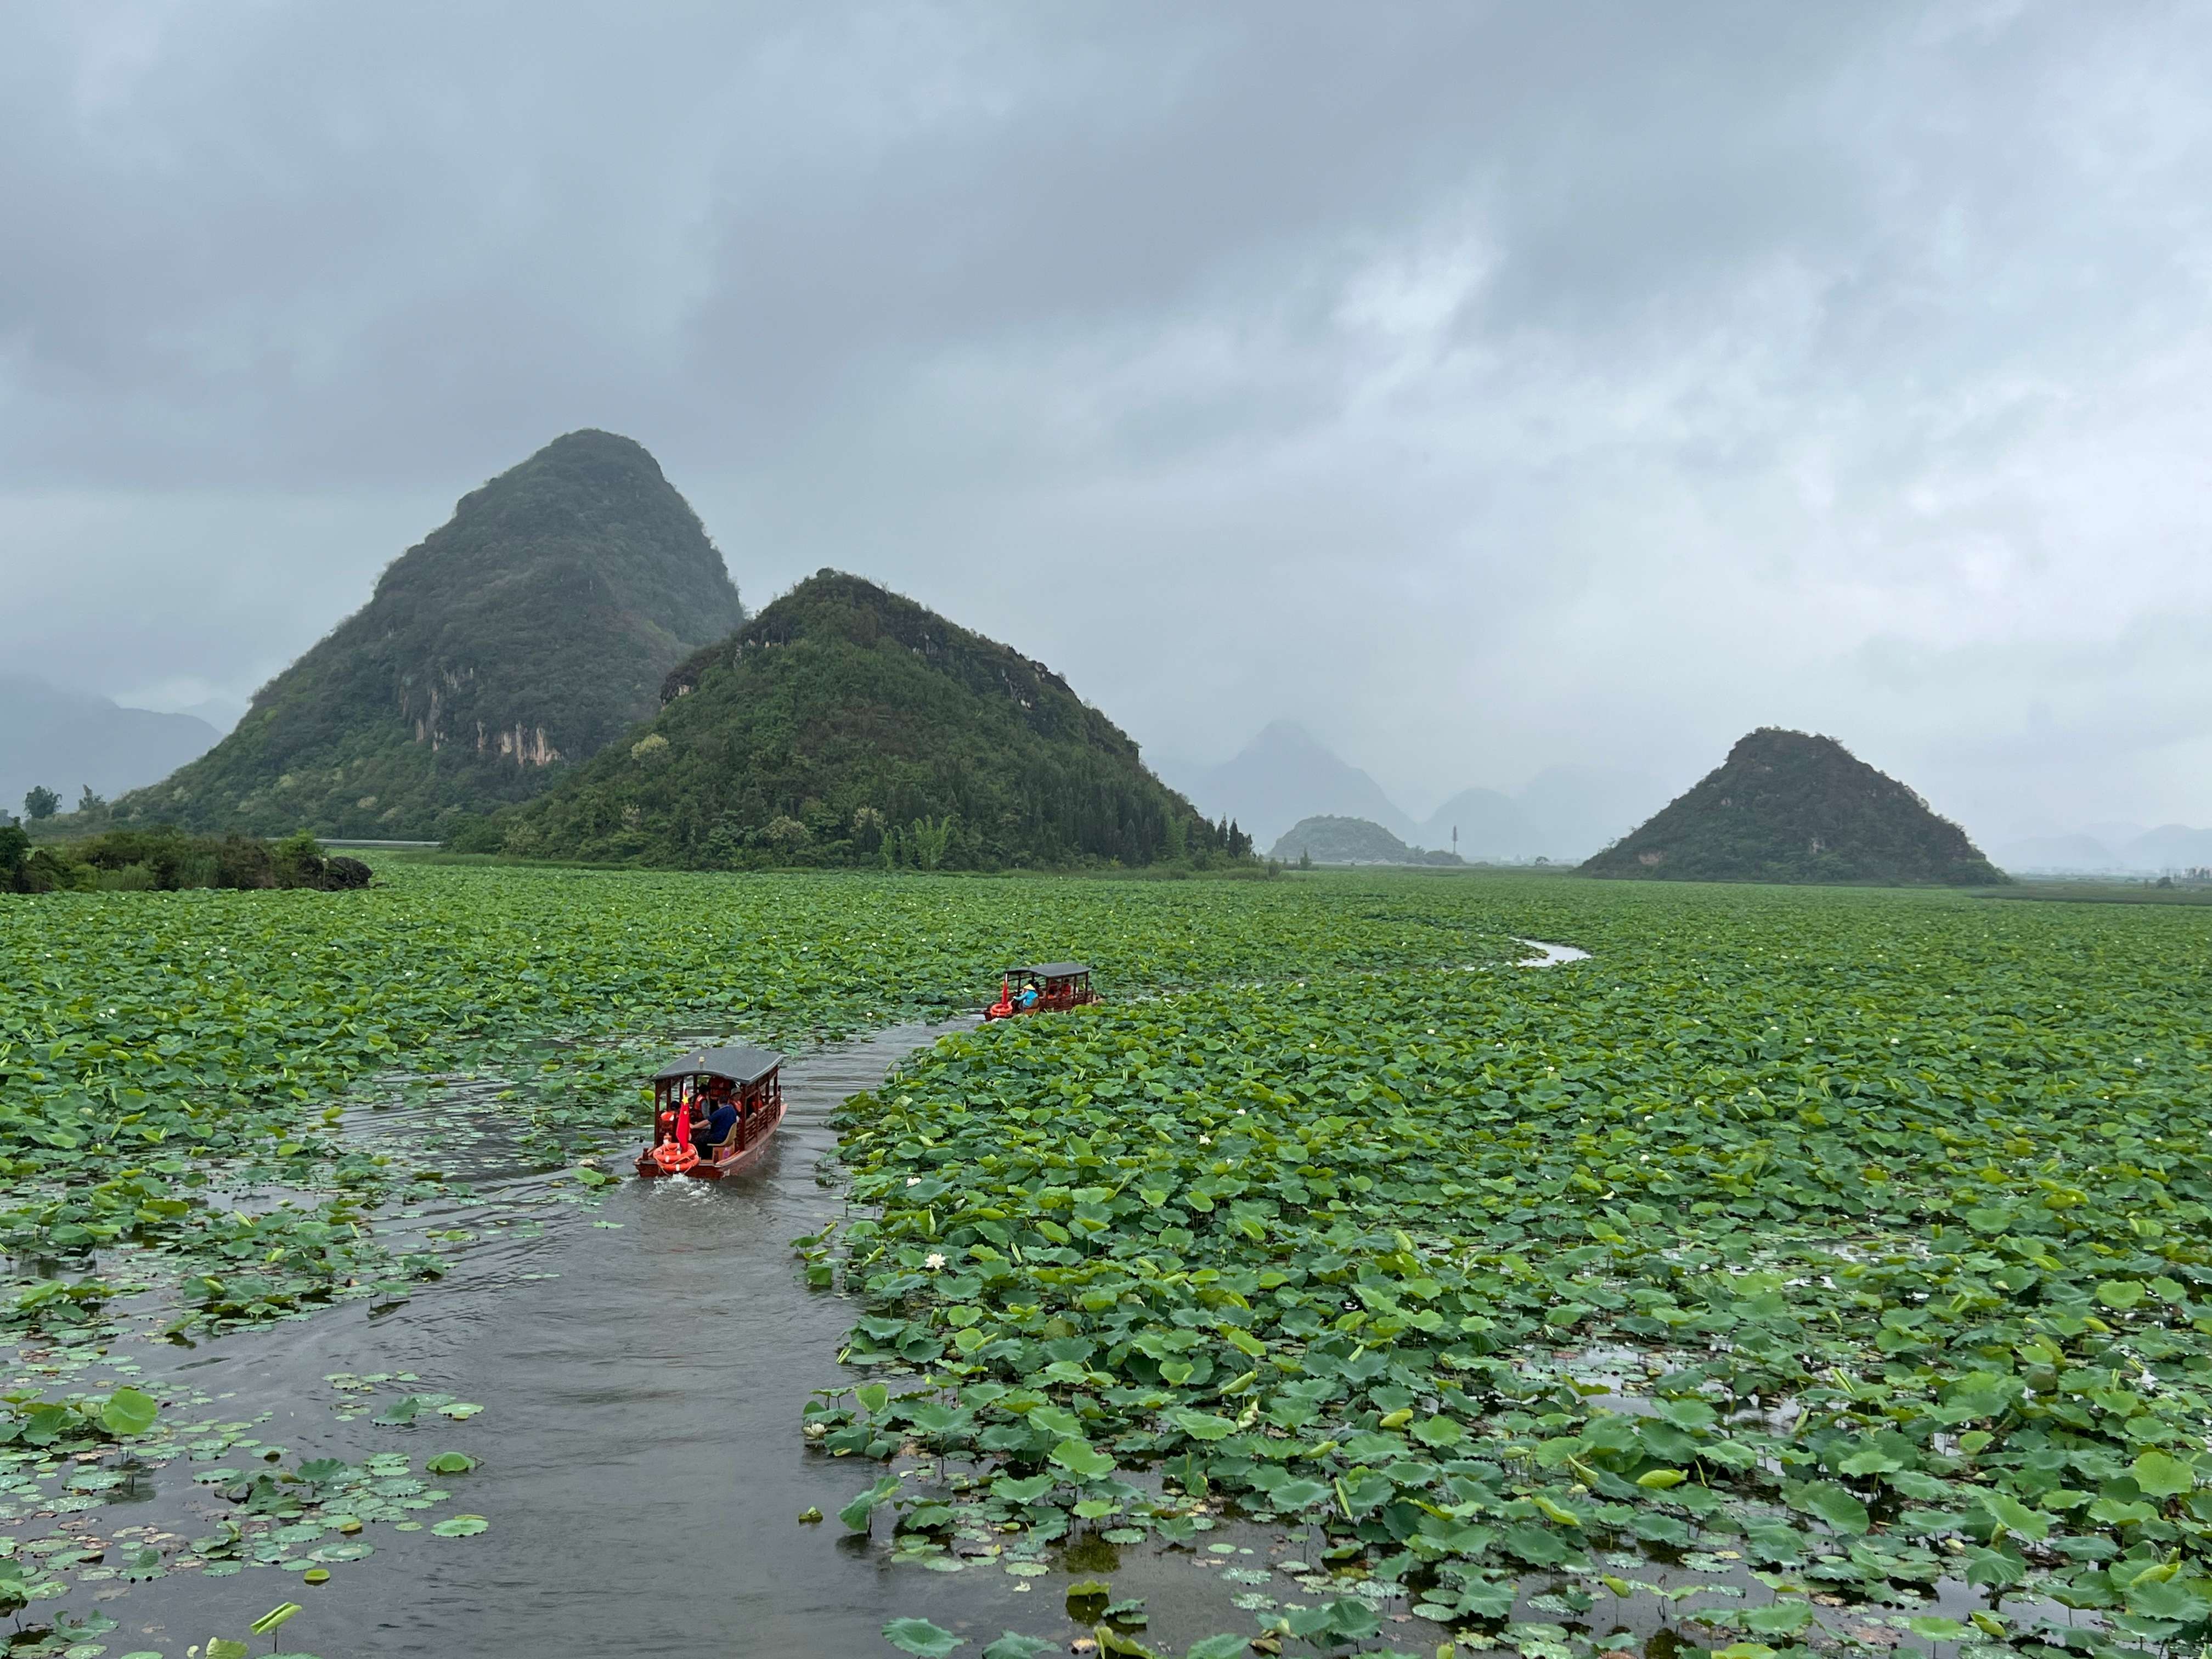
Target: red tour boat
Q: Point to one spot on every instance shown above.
(714, 1110)
(1047, 986)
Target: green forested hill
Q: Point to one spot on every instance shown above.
(1788, 806)
(527, 632)
(848, 725)
(1349, 840)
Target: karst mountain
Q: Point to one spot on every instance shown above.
(1788, 806)
(1329, 839)
(523, 635)
(847, 725)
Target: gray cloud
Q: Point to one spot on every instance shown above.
(1487, 386)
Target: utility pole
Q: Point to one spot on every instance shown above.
(1454, 841)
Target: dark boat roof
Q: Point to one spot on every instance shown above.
(742, 1065)
(1054, 969)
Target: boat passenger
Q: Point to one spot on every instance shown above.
(721, 1124)
(1029, 996)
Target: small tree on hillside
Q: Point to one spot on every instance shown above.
(88, 805)
(41, 804)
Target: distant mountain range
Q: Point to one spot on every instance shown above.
(1568, 813)
(1564, 813)
(2110, 850)
(1285, 775)
(63, 740)
(1281, 776)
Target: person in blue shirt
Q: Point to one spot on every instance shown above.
(1029, 996)
(721, 1124)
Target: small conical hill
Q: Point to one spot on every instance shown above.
(527, 633)
(1786, 806)
(845, 724)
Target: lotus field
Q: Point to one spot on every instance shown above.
(1804, 1270)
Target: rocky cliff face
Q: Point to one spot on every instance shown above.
(530, 630)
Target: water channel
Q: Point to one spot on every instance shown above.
(642, 1364)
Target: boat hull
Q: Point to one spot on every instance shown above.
(1041, 1005)
(740, 1161)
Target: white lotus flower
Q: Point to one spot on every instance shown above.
(932, 1262)
(914, 1181)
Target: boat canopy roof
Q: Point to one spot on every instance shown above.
(1054, 969)
(740, 1065)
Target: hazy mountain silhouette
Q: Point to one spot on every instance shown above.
(2070, 852)
(2111, 849)
(1490, 825)
(63, 740)
(1285, 774)
(2171, 846)
(1565, 814)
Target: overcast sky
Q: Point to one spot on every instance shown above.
(1485, 386)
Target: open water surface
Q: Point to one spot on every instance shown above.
(1555, 954)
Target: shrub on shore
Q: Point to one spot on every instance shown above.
(164, 859)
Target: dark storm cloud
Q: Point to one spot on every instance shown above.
(1486, 385)
(410, 224)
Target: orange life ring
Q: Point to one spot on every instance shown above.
(675, 1156)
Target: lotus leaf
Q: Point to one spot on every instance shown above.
(2160, 1474)
(128, 1412)
(1080, 1458)
(920, 1638)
